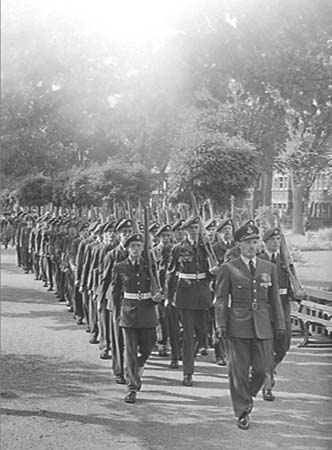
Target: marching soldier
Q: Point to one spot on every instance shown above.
(132, 300)
(109, 243)
(24, 244)
(163, 251)
(247, 298)
(125, 229)
(188, 275)
(272, 253)
(173, 319)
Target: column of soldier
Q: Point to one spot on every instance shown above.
(237, 303)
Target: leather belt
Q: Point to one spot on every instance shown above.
(283, 291)
(192, 276)
(254, 305)
(137, 296)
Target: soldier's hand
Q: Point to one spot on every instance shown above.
(158, 297)
(214, 270)
(221, 332)
(81, 289)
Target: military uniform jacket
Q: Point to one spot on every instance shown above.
(116, 255)
(283, 283)
(248, 306)
(188, 277)
(125, 279)
(25, 237)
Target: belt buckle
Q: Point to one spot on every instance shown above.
(139, 296)
(254, 306)
(197, 276)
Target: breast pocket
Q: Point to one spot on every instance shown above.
(241, 290)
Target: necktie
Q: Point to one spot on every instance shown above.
(136, 267)
(273, 259)
(252, 267)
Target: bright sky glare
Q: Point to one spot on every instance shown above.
(128, 20)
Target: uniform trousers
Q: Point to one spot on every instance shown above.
(162, 323)
(78, 303)
(248, 361)
(173, 328)
(137, 341)
(117, 343)
(104, 326)
(280, 350)
(85, 304)
(194, 322)
(93, 315)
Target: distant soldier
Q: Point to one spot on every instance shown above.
(162, 251)
(249, 313)
(272, 253)
(24, 244)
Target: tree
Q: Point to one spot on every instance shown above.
(35, 191)
(217, 167)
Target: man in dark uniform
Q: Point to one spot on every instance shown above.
(131, 293)
(272, 240)
(24, 244)
(173, 319)
(247, 298)
(188, 274)
(162, 252)
(124, 228)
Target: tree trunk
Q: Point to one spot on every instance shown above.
(267, 188)
(297, 219)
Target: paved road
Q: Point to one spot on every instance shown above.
(57, 395)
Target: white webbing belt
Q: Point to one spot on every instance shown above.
(137, 296)
(192, 276)
(283, 291)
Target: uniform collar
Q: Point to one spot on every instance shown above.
(246, 260)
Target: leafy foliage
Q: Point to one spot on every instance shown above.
(35, 191)
(216, 168)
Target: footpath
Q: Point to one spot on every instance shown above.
(56, 394)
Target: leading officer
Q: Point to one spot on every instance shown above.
(249, 313)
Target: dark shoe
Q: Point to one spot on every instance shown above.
(174, 364)
(50, 288)
(204, 352)
(187, 380)
(104, 354)
(70, 308)
(87, 330)
(268, 395)
(93, 340)
(243, 421)
(79, 321)
(130, 397)
(45, 284)
(221, 362)
(61, 300)
(120, 379)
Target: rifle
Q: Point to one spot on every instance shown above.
(212, 258)
(155, 284)
(297, 289)
(131, 216)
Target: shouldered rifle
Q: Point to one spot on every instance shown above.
(212, 259)
(155, 285)
(297, 289)
(131, 216)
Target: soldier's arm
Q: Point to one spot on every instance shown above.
(278, 319)
(223, 290)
